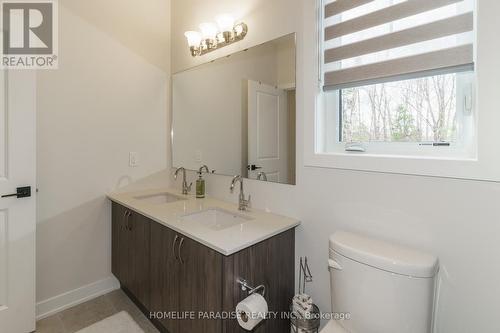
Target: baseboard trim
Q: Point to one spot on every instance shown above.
(74, 297)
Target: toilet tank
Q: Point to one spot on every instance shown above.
(381, 287)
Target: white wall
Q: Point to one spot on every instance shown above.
(143, 27)
(286, 63)
(457, 220)
(104, 101)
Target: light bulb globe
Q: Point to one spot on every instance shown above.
(193, 38)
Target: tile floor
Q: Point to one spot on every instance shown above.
(86, 314)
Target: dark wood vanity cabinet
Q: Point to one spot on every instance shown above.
(131, 252)
(119, 249)
(164, 275)
(168, 274)
(185, 278)
(200, 289)
(270, 263)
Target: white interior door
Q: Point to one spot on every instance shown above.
(267, 132)
(17, 215)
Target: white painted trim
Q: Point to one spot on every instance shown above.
(74, 297)
(287, 86)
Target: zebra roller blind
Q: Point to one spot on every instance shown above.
(374, 41)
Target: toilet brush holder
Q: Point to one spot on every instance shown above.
(306, 325)
(312, 322)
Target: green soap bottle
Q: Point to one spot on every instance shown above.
(200, 183)
(200, 186)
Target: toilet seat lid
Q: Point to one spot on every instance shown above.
(383, 255)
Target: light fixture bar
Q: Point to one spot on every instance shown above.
(210, 40)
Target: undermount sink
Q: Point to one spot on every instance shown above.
(216, 218)
(159, 198)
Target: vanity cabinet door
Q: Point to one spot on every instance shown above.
(270, 263)
(164, 276)
(120, 245)
(139, 257)
(200, 286)
(131, 251)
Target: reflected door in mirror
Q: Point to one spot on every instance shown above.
(267, 132)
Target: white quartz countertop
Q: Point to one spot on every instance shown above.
(259, 226)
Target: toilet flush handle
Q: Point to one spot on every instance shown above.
(332, 264)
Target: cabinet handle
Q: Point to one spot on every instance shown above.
(180, 248)
(173, 246)
(124, 226)
(130, 225)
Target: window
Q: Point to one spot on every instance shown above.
(398, 78)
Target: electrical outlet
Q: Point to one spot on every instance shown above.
(133, 159)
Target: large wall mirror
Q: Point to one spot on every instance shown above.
(237, 114)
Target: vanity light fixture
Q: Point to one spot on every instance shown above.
(213, 37)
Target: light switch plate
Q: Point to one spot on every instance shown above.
(133, 159)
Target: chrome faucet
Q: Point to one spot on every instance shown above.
(243, 203)
(203, 167)
(262, 176)
(185, 188)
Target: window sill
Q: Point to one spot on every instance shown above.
(431, 166)
(426, 157)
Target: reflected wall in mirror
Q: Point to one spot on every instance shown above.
(237, 114)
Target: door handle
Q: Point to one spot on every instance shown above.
(253, 167)
(21, 192)
(180, 248)
(173, 246)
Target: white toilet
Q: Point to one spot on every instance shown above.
(381, 287)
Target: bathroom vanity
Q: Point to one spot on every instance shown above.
(179, 258)
(182, 257)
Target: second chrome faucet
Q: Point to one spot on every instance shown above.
(185, 187)
(243, 203)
